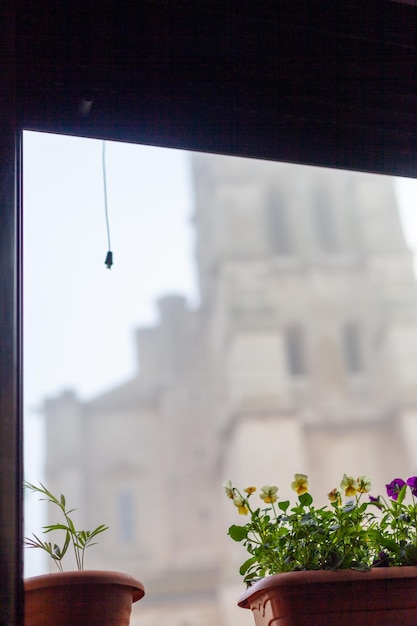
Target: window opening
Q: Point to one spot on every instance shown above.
(296, 353)
(325, 223)
(140, 373)
(352, 347)
(278, 225)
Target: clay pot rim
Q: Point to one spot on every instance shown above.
(321, 576)
(97, 577)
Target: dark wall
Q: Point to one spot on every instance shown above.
(311, 81)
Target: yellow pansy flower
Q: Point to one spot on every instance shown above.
(364, 484)
(269, 494)
(300, 484)
(349, 484)
(240, 503)
(250, 490)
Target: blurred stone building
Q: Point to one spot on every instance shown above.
(302, 357)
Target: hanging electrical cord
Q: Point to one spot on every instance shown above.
(109, 256)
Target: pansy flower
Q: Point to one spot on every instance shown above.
(376, 501)
(250, 490)
(349, 484)
(228, 489)
(394, 487)
(334, 496)
(268, 494)
(364, 484)
(240, 503)
(382, 560)
(300, 484)
(412, 482)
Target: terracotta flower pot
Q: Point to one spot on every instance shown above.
(91, 598)
(384, 597)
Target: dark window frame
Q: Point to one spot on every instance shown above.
(306, 108)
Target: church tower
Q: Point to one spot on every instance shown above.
(312, 304)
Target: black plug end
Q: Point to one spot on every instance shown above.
(109, 260)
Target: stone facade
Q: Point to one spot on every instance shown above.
(302, 357)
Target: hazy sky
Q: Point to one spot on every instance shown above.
(79, 317)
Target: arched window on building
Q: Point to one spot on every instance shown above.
(296, 350)
(278, 225)
(324, 218)
(353, 348)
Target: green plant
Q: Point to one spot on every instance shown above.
(79, 539)
(361, 533)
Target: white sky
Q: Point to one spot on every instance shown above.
(79, 317)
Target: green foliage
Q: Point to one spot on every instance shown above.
(360, 533)
(79, 539)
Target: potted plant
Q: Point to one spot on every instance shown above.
(351, 562)
(98, 598)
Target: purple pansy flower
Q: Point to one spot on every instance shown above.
(382, 560)
(412, 482)
(376, 501)
(394, 488)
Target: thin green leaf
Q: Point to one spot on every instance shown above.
(51, 527)
(401, 494)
